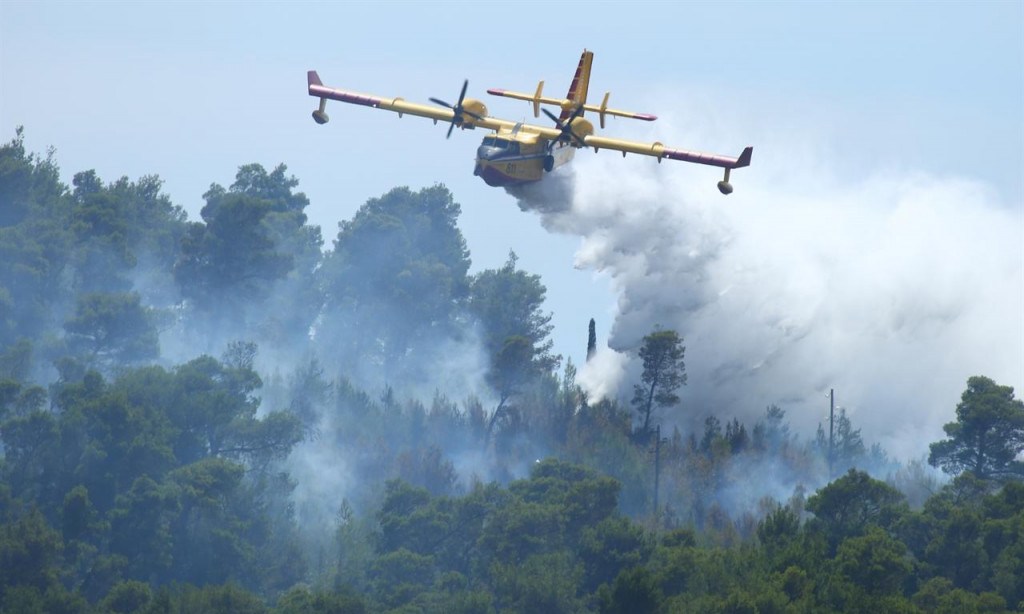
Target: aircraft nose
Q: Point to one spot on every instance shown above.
(485, 152)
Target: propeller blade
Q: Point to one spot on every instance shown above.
(457, 110)
(566, 128)
(568, 125)
(574, 115)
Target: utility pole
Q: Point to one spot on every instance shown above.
(831, 429)
(657, 468)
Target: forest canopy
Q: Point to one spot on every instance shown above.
(221, 415)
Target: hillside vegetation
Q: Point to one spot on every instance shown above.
(223, 416)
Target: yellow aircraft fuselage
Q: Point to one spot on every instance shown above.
(513, 157)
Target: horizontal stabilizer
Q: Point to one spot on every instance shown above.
(564, 103)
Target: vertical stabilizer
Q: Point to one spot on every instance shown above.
(580, 83)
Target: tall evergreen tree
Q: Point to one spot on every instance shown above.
(591, 340)
(395, 280)
(112, 330)
(230, 260)
(507, 303)
(988, 434)
(664, 372)
(34, 242)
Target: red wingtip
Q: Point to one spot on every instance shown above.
(313, 79)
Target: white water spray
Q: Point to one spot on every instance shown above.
(892, 290)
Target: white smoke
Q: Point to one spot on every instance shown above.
(891, 289)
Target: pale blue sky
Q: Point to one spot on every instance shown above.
(191, 91)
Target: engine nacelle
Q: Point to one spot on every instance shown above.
(581, 128)
(474, 106)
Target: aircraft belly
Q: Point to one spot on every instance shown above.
(511, 171)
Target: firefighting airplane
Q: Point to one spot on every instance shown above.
(517, 152)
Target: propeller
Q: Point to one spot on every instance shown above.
(566, 128)
(457, 108)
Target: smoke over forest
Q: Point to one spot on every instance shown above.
(892, 291)
(242, 401)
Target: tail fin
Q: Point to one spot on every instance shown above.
(580, 83)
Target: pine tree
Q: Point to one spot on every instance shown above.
(591, 340)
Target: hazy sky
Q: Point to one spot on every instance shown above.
(191, 91)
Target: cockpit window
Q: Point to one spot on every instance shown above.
(501, 143)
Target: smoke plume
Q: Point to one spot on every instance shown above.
(891, 289)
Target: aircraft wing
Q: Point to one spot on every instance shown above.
(398, 105)
(659, 151)
(656, 149)
(439, 113)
